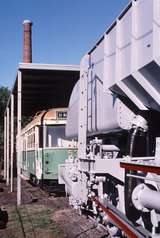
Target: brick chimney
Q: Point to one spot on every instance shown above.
(27, 47)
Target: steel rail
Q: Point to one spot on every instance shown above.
(123, 223)
(141, 167)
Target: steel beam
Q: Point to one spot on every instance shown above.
(7, 165)
(5, 146)
(147, 168)
(121, 221)
(82, 124)
(12, 138)
(19, 116)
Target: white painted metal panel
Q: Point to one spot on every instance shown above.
(109, 59)
(72, 113)
(123, 46)
(142, 33)
(106, 113)
(132, 54)
(126, 61)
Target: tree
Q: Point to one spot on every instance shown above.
(4, 95)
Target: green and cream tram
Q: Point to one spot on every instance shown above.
(44, 146)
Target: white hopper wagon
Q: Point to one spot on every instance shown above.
(118, 96)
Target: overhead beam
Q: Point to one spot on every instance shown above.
(43, 91)
(51, 77)
(40, 93)
(46, 104)
(45, 100)
(49, 86)
(49, 67)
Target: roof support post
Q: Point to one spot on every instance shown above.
(44, 145)
(12, 138)
(7, 152)
(5, 146)
(19, 153)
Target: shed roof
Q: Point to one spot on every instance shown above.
(45, 86)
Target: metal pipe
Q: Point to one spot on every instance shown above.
(138, 124)
(144, 178)
(132, 141)
(145, 199)
(5, 155)
(7, 166)
(12, 138)
(149, 198)
(19, 112)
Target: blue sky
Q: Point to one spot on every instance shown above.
(63, 30)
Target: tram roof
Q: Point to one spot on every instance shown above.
(44, 86)
(50, 117)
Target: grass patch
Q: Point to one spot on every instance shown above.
(36, 220)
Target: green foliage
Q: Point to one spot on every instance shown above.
(4, 94)
(26, 120)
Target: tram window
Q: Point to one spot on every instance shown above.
(53, 134)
